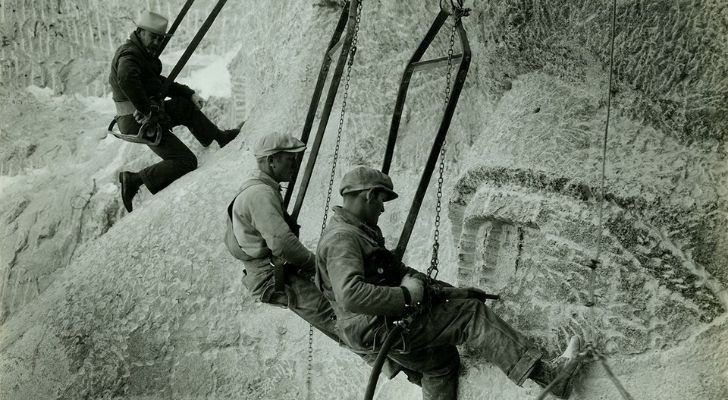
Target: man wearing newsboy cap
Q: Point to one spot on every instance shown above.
(136, 84)
(369, 289)
(278, 267)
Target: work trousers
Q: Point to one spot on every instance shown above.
(305, 300)
(428, 347)
(177, 159)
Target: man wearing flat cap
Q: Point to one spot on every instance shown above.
(136, 84)
(368, 292)
(278, 267)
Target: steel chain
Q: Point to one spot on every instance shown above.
(350, 62)
(435, 261)
(310, 362)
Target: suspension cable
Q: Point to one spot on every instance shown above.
(352, 53)
(595, 262)
(434, 260)
(591, 352)
(350, 62)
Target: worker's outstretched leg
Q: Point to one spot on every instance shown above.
(177, 160)
(182, 111)
(469, 321)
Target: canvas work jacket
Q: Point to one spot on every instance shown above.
(136, 76)
(261, 231)
(361, 291)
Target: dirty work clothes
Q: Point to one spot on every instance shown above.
(429, 346)
(177, 158)
(136, 76)
(302, 297)
(261, 231)
(345, 278)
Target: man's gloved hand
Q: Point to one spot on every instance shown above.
(197, 101)
(415, 287)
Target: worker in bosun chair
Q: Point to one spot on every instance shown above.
(259, 232)
(367, 297)
(136, 84)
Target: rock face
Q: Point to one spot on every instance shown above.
(96, 303)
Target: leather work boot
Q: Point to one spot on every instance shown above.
(130, 183)
(228, 135)
(566, 364)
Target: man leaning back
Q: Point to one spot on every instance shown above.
(368, 296)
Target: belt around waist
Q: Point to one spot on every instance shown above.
(124, 108)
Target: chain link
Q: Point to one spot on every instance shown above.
(309, 361)
(350, 62)
(435, 261)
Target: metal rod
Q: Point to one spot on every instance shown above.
(434, 63)
(175, 24)
(191, 47)
(316, 98)
(437, 145)
(328, 104)
(404, 85)
(334, 49)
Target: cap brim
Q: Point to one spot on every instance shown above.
(154, 31)
(296, 150)
(271, 152)
(391, 194)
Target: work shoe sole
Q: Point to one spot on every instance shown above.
(567, 364)
(229, 135)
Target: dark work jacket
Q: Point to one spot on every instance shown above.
(361, 291)
(136, 76)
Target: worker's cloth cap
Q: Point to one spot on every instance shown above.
(365, 178)
(277, 142)
(152, 22)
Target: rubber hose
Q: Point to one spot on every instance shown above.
(379, 362)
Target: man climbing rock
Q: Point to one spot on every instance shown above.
(136, 84)
(368, 295)
(278, 267)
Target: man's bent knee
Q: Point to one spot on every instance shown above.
(188, 163)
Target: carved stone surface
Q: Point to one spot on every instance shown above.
(150, 305)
